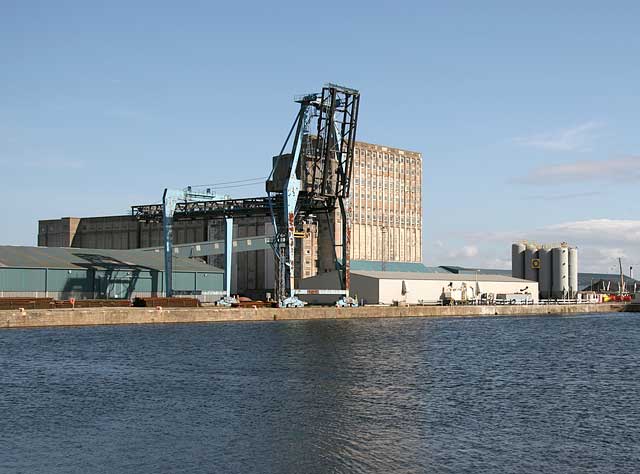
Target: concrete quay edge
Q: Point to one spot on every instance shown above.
(116, 316)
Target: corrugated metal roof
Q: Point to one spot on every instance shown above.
(99, 259)
(586, 280)
(467, 270)
(378, 266)
(437, 276)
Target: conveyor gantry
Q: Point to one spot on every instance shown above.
(247, 207)
(219, 209)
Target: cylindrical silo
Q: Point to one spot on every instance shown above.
(560, 278)
(545, 274)
(530, 269)
(573, 272)
(517, 260)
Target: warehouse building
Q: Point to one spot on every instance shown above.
(252, 271)
(62, 273)
(390, 287)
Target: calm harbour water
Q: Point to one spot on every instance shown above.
(480, 395)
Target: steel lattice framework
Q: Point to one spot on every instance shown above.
(330, 166)
(310, 178)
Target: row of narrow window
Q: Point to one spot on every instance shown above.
(397, 220)
(386, 156)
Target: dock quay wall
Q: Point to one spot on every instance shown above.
(111, 316)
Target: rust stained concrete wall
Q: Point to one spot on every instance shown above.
(109, 316)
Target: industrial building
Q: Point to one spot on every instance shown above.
(332, 203)
(62, 273)
(252, 271)
(388, 287)
(386, 207)
(554, 266)
(386, 204)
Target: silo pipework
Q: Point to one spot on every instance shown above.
(517, 260)
(560, 278)
(573, 272)
(530, 268)
(545, 274)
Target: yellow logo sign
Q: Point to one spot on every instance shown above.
(535, 263)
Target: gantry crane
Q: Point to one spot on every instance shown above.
(311, 176)
(314, 178)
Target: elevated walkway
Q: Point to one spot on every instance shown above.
(215, 247)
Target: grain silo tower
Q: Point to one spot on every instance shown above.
(530, 265)
(517, 260)
(560, 274)
(573, 272)
(545, 274)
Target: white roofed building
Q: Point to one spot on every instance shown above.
(414, 288)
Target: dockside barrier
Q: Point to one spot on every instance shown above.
(110, 316)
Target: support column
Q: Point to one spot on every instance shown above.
(345, 210)
(169, 201)
(228, 252)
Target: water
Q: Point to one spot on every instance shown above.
(535, 394)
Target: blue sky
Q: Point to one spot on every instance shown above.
(526, 113)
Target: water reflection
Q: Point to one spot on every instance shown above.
(417, 395)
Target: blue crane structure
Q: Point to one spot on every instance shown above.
(311, 177)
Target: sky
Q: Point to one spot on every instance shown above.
(526, 113)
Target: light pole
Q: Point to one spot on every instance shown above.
(476, 290)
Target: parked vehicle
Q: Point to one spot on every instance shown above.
(514, 298)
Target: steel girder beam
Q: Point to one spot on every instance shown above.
(249, 207)
(221, 209)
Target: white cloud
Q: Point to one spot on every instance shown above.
(571, 139)
(615, 169)
(605, 259)
(591, 230)
(599, 230)
(600, 243)
(466, 251)
(466, 255)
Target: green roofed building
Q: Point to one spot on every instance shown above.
(379, 266)
(62, 273)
